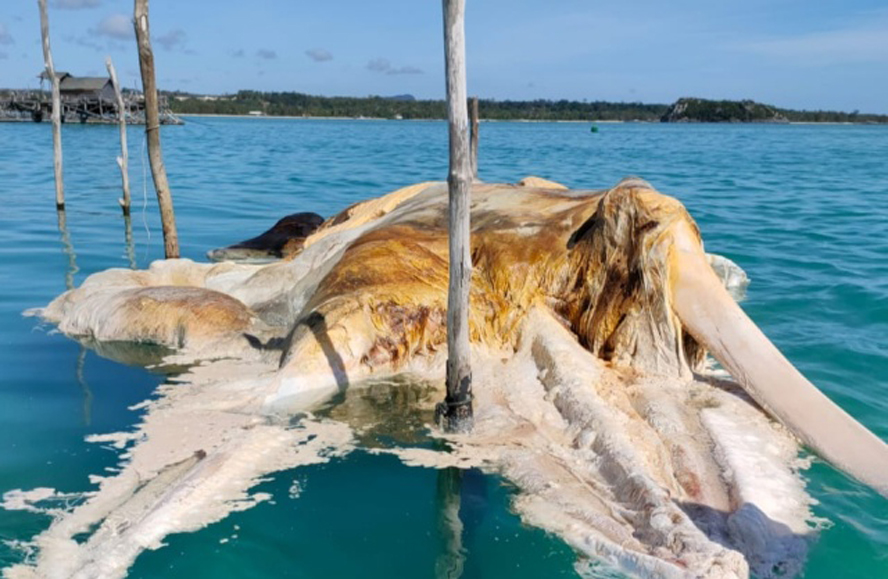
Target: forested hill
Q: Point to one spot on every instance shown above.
(691, 110)
(406, 107)
(694, 110)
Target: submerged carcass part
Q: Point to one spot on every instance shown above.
(203, 322)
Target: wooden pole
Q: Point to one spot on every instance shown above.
(152, 131)
(474, 111)
(129, 247)
(67, 249)
(455, 414)
(56, 108)
(123, 159)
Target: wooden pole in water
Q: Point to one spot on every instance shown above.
(129, 247)
(123, 159)
(152, 131)
(56, 108)
(474, 147)
(455, 414)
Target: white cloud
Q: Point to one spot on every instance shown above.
(75, 4)
(383, 66)
(5, 36)
(859, 44)
(379, 65)
(85, 42)
(116, 26)
(319, 55)
(405, 70)
(172, 39)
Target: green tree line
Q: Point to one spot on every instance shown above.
(299, 104)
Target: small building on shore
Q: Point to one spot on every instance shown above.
(84, 96)
(87, 99)
(88, 87)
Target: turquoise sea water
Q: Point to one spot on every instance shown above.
(803, 209)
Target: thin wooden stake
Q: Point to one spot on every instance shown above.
(455, 414)
(152, 130)
(129, 246)
(67, 249)
(56, 108)
(474, 147)
(123, 159)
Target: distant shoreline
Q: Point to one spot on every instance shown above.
(685, 109)
(605, 122)
(596, 122)
(307, 118)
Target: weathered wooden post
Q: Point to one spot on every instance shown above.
(152, 131)
(455, 414)
(129, 247)
(67, 249)
(474, 112)
(56, 108)
(123, 159)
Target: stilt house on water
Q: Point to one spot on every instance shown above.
(85, 99)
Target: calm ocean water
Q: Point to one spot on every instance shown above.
(803, 209)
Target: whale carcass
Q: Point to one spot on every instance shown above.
(592, 313)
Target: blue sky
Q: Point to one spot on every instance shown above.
(830, 54)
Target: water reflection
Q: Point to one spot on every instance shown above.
(133, 354)
(384, 413)
(70, 271)
(452, 556)
(462, 505)
(152, 357)
(396, 412)
(84, 386)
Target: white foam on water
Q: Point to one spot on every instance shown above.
(43, 500)
(116, 440)
(200, 448)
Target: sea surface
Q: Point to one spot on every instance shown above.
(803, 209)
